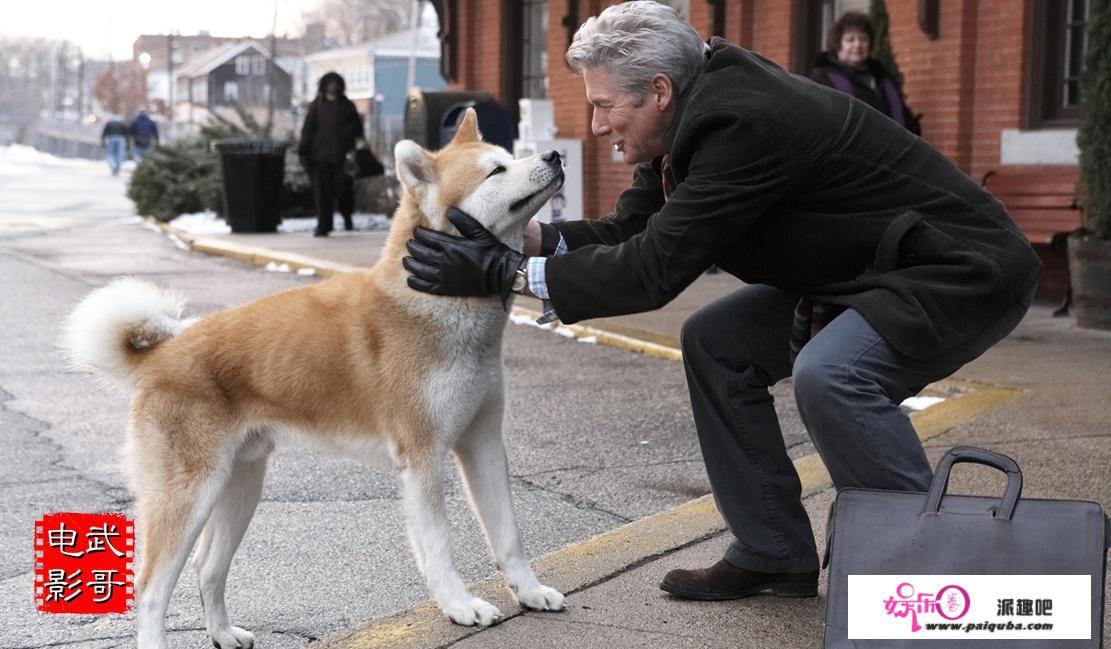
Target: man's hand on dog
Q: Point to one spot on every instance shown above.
(474, 265)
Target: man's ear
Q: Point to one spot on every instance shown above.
(414, 166)
(662, 92)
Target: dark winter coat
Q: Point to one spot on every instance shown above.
(330, 127)
(784, 182)
(143, 130)
(114, 127)
(867, 85)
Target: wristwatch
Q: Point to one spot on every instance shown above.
(520, 280)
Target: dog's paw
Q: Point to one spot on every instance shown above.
(473, 611)
(541, 598)
(233, 638)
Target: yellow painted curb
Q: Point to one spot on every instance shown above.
(632, 343)
(255, 255)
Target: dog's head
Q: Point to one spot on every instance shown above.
(482, 179)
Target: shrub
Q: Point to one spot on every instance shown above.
(183, 177)
(1094, 134)
(174, 179)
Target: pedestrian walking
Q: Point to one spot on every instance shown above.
(144, 135)
(331, 127)
(871, 266)
(114, 140)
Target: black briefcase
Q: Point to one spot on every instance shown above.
(923, 570)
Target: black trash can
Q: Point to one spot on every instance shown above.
(253, 172)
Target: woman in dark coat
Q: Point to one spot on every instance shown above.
(848, 66)
(329, 132)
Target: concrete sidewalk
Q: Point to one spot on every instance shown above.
(1042, 396)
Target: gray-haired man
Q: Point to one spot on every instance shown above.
(829, 211)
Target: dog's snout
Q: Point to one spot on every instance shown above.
(552, 157)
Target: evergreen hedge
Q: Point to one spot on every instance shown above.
(881, 49)
(1094, 135)
(183, 177)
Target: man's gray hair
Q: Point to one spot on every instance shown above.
(634, 41)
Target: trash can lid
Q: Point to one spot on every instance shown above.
(244, 146)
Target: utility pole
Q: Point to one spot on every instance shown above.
(170, 71)
(270, 70)
(414, 23)
(80, 85)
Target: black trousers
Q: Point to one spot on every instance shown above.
(331, 186)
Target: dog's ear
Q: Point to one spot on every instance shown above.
(468, 129)
(414, 165)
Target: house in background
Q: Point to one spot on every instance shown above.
(996, 80)
(377, 77)
(163, 56)
(234, 74)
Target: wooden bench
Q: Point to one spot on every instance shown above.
(1043, 204)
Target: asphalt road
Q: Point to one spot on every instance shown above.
(596, 437)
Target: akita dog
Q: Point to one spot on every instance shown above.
(360, 362)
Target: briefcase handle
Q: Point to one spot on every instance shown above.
(975, 455)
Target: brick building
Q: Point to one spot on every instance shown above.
(994, 79)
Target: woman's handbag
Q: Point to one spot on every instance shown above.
(923, 570)
(361, 163)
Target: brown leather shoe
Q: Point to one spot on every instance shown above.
(723, 580)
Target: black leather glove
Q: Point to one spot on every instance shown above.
(474, 265)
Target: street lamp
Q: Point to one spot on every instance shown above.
(144, 60)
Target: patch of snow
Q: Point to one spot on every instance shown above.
(277, 268)
(921, 403)
(209, 222)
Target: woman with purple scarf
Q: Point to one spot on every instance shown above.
(849, 67)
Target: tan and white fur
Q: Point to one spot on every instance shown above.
(360, 363)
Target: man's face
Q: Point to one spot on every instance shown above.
(636, 131)
(331, 90)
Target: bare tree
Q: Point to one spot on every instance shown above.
(350, 22)
(122, 88)
(24, 77)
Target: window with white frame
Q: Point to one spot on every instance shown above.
(534, 47)
(243, 65)
(258, 65)
(1058, 40)
(231, 92)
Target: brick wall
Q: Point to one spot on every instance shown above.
(968, 83)
(1001, 62)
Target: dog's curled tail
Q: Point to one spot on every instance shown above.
(114, 327)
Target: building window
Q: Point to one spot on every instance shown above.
(258, 65)
(717, 17)
(813, 20)
(231, 92)
(534, 46)
(1058, 43)
(242, 65)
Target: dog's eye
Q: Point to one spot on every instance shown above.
(497, 170)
